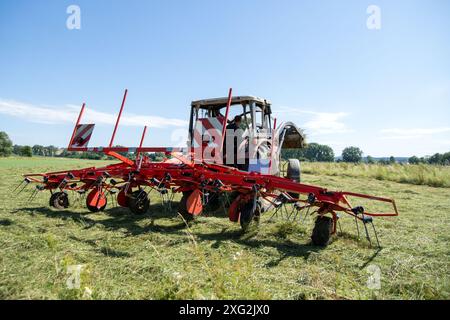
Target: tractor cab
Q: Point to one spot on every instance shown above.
(256, 120)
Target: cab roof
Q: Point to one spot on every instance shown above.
(218, 103)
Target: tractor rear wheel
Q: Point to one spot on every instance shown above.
(139, 202)
(322, 231)
(60, 200)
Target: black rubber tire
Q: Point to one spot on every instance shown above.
(293, 170)
(182, 207)
(52, 198)
(60, 200)
(139, 202)
(293, 173)
(214, 202)
(248, 215)
(322, 231)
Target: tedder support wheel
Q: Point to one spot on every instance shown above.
(52, 198)
(139, 202)
(322, 231)
(96, 201)
(248, 214)
(183, 207)
(95, 209)
(59, 200)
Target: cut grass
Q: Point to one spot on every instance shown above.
(154, 256)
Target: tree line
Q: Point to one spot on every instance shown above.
(7, 148)
(313, 152)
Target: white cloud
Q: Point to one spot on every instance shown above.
(69, 114)
(412, 133)
(321, 122)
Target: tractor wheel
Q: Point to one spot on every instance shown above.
(322, 231)
(60, 200)
(139, 202)
(247, 214)
(293, 173)
(182, 207)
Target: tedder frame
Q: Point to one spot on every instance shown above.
(201, 183)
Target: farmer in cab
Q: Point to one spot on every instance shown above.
(231, 137)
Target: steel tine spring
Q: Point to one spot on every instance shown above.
(23, 188)
(33, 195)
(17, 187)
(367, 233)
(306, 214)
(376, 235)
(357, 227)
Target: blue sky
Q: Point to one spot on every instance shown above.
(386, 91)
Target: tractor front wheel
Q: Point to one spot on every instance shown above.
(322, 231)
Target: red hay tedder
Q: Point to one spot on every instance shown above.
(246, 191)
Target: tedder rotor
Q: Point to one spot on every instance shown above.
(203, 175)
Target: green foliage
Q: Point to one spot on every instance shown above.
(370, 160)
(414, 160)
(26, 151)
(6, 147)
(352, 154)
(318, 152)
(436, 159)
(313, 152)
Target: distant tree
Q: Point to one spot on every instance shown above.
(26, 151)
(319, 152)
(352, 154)
(370, 160)
(392, 160)
(436, 158)
(6, 146)
(17, 149)
(446, 159)
(38, 150)
(293, 154)
(413, 160)
(50, 151)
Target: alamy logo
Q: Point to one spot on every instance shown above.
(74, 19)
(374, 20)
(374, 279)
(74, 271)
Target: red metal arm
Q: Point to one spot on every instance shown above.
(118, 118)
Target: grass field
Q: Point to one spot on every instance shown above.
(155, 256)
